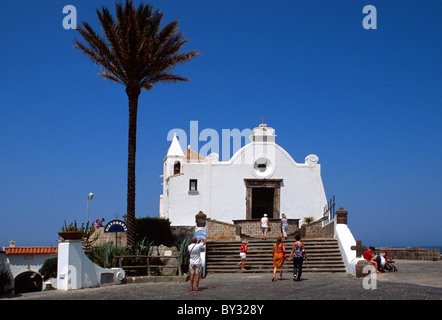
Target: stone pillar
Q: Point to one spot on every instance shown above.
(341, 216)
(200, 219)
(361, 271)
(69, 265)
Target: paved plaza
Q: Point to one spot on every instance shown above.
(416, 280)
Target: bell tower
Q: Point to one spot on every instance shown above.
(173, 162)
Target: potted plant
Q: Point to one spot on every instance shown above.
(71, 232)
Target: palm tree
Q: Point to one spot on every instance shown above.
(135, 52)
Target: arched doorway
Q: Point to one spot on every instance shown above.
(28, 281)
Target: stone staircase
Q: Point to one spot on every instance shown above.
(223, 256)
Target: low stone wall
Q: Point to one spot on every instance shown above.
(107, 237)
(316, 230)
(252, 228)
(412, 253)
(217, 230)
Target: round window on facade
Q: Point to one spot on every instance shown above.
(263, 168)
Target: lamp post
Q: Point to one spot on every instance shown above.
(89, 197)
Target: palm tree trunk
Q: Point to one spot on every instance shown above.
(133, 95)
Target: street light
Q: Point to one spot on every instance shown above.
(90, 196)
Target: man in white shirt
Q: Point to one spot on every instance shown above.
(264, 226)
(195, 262)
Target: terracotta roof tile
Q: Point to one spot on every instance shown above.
(193, 155)
(31, 250)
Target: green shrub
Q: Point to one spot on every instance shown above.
(156, 229)
(184, 253)
(49, 269)
(5, 279)
(104, 255)
(308, 219)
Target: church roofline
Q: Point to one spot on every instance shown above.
(310, 161)
(261, 135)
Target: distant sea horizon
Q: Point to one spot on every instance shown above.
(410, 245)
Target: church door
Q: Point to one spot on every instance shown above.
(262, 202)
(262, 196)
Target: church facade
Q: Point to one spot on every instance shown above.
(260, 178)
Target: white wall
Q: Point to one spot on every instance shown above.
(346, 240)
(18, 264)
(222, 191)
(76, 271)
(23, 263)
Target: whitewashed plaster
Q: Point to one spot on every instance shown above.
(221, 189)
(76, 271)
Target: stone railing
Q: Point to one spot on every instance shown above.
(315, 229)
(252, 227)
(320, 229)
(337, 229)
(100, 237)
(218, 230)
(412, 253)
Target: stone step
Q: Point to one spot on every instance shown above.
(269, 258)
(269, 255)
(255, 251)
(327, 269)
(234, 250)
(269, 269)
(223, 256)
(270, 244)
(336, 266)
(259, 241)
(264, 257)
(305, 266)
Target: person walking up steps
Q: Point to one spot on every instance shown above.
(243, 255)
(298, 254)
(278, 257)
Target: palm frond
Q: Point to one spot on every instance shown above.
(134, 50)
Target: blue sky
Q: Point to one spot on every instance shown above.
(367, 102)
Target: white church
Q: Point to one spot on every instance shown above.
(260, 178)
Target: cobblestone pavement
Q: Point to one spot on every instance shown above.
(416, 280)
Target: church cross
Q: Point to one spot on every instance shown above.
(360, 249)
(262, 119)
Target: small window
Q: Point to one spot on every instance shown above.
(177, 167)
(193, 185)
